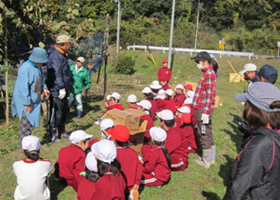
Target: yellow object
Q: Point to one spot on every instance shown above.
(271, 52)
(242, 78)
(234, 77)
(231, 66)
(153, 59)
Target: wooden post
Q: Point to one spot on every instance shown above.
(105, 51)
(6, 75)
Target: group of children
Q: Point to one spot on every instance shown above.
(109, 168)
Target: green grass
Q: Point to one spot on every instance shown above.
(192, 183)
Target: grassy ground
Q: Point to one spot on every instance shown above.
(192, 183)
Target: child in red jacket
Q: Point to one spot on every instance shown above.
(71, 159)
(132, 100)
(105, 126)
(180, 97)
(114, 99)
(88, 178)
(111, 184)
(156, 159)
(176, 142)
(184, 114)
(164, 75)
(148, 95)
(167, 102)
(128, 158)
(145, 106)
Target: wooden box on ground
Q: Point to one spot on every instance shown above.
(126, 118)
(131, 119)
(234, 77)
(218, 102)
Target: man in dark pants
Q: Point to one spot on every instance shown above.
(203, 102)
(58, 82)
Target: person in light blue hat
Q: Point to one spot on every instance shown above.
(30, 83)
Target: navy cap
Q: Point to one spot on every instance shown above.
(202, 56)
(261, 94)
(269, 72)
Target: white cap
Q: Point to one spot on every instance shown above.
(31, 143)
(145, 104)
(179, 86)
(190, 94)
(184, 109)
(106, 123)
(91, 162)
(116, 95)
(132, 98)
(81, 59)
(158, 134)
(105, 151)
(169, 92)
(166, 115)
(147, 90)
(155, 85)
(248, 68)
(78, 135)
(188, 101)
(161, 94)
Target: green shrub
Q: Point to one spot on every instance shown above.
(125, 65)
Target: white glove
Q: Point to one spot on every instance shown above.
(205, 118)
(62, 93)
(108, 97)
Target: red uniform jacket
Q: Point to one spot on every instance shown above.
(179, 99)
(109, 187)
(166, 104)
(193, 119)
(134, 107)
(149, 125)
(130, 166)
(70, 162)
(193, 116)
(153, 109)
(188, 131)
(85, 189)
(156, 163)
(116, 105)
(164, 74)
(176, 144)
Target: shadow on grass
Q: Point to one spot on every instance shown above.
(225, 169)
(210, 195)
(236, 135)
(142, 187)
(56, 187)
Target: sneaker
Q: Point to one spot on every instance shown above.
(64, 136)
(202, 163)
(55, 139)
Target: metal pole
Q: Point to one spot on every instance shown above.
(171, 34)
(119, 24)
(197, 21)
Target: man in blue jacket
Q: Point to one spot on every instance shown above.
(58, 81)
(30, 83)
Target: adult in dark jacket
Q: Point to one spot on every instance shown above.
(58, 82)
(255, 173)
